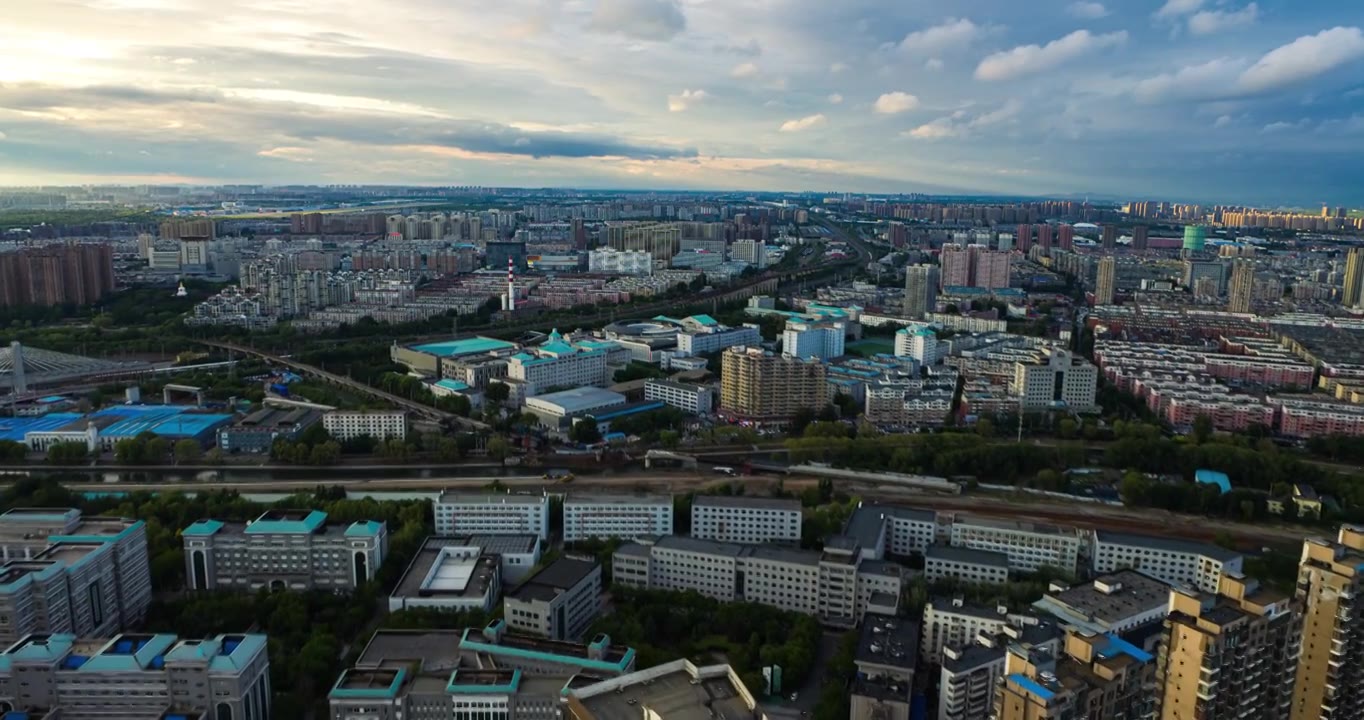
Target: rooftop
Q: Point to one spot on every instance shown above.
(468, 346)
(454, 497)
(1014, 525)
(554, 579)
(1168, 544)
(594, 499)
(696, 545)
(598, 655)
(580, 399)
(888, 641)
(1109, 599)
(675, 691)
(446, 567)
(430, 650)
(938, 551)
(866, 521)
(742, 501)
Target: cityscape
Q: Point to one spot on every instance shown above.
(681, 360)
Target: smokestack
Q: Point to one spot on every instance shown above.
(511, 285)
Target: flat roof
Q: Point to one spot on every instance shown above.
(580, 399)
(467, 346)
(447, 567)
(742, 501)
(675, 695)
(593, 499)
(697, 545)
(455, 497)
(778, 553)
(1015, 525)
(554, 579)
(431, 650)
(938, 551)
(1129, 593)
(888, 640)
(1168, 544)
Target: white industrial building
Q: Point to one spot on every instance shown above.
(1029, 546)
(346, 425)
(558, 410)
(979, 567)
(1182, 563)
(695, 399)
(617, 516)
(738, 519)
(474, 514)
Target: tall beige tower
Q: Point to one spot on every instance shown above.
(1330, 681)
(1106, 282)
(1240, 287)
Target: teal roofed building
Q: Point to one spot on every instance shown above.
(234, 556)
(162, 676)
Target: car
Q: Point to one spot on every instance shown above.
(794, 696)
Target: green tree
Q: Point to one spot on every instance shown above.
(157, 450)
(985, 428)
(497, 392)
(68, 453)
(669, 438)
(13, 452)
(187, 451)
(585, 432)
(1066, 428)
(1202, 429)
(499, 449)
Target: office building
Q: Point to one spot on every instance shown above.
(559, 602)
(920, 343)
(591, 516)
(953, 622)
(470, 674)
(1029, 546)
(761, 386)
(1330, 677)
(65, 573)
(1141, 237)
(1116, 602)
(1229, 654)
(921, 291)
(136, 675)
(501, 254)
(976, 567)
(753, 252)
(472, 514)
(838, 586)
(1181, 563)
(1101, 677)
(694, 399)
(886, 655)
(739, 519)
(1104, 285)
(559, 364)
(971, 671)
(701, 334)
(1108, 237)
(283, 549)
(821, 340)
(345, 425)
(1056, 379)
(1240, 287)
(450, 574)
(56, 275)
(660, 240)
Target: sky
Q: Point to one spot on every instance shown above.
(1188, 100)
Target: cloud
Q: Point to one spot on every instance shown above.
(3, 136)
(1281, 126)
(1222, 121)
(835, 99)
(838, 67)
(805, 123)
(744, 70)
(1207, 80)
(639, 19)
(685, 99)
(1029, 59)
(893, 103)
(1175, 8)
(935, 130)
(933, 64)
(748, 49)
(1087, 10)
(961, 123)
(953, 34)
(1304, 58)
(1208, 22)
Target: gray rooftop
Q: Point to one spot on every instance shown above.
(672, 696)
(479, 577)
(741, 501)
(555, 578)
(696, 545)
(945, 605)
(505, 544)
(888, 641)
(966, 555)
(451, 497)
(975, 654)
(1015, 525)
(433, 650)
(596, 499)
(1168, 544)
(865, 523)
(635, 550)
(777, 553)
(1132, 593)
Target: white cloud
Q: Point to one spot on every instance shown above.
(960, 123)
(1175, 8)
(1208, 22)
(183, 61)
(1222, 121)
(835, 99)
(744, 70)
(1029, 59)
(685, 99)
(838, 67)
(1008, 111)
(950, 35)
(805, 123)
(893, 103)
(936, 130)
(3, 136)
(1306, 57)
(639, 19)
(1210, 79)
(1280, 126)
(1087, 10)
(933, 64)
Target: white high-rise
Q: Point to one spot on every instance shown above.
(920, 343)
(823, 340)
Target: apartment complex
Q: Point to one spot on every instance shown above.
(588, 516)
(559, 602)
(1330, 677)
(1106, 282)
(739, 519)
(1091, 676)
(470, 514)
(838, 586)
(660, 240)
(921, 291)
(977, 567)
(1182, 563)
(1228, 654)
(892, 529)
(759, 385)
(953, 622)
(1056, 379)
(974, 266)
(972, 670)
(1029, 546)
(1239, 289)
(283, 549)
(136, 675)
(68, 574)
(346, 425)
(56, 275)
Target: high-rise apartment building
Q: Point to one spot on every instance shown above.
(56, 275)
(1108, 236)
(921, 343)
(1140, 237)
(753, 252)
(921, 290)
(1353, 291)
(759, 385)
(992, 269)
(188, 228)
(1066, 237)
(975, 266)
(1023, 238)
(1228, 655)
(1100, 677)
(1044, 236)
(1330, 679)
(1106, 281)
(1241, 285)
(822, 340)
(658, 239)
(956, 266)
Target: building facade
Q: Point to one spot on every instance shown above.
(758, 385)
(1181, 563)
(694, 399)
(559, 602)
(346, 425)
(588, 516)
(738, 519)
(1057, 379)
(1330, 674)
(469, 514)
(1029, 546)
(977, 567)
(283, 549)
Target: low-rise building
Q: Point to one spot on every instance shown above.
(257, 432)
(983, 567)
(738, 519)
(559, 602)
(346, 425)
(1030, 546)
(588, 516)
(480, 514)
(283, 549)
(136, 675)
(955, 622)
(676, 690)
(1182, 563)
(449, 574)
(559, 410)
(892, 529)
(1117, 602)
(695, 399)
